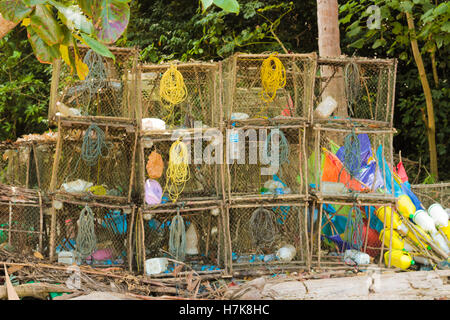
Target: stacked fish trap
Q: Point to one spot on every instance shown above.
(355, 90)
(433, 193)
(191, 235)
(266, 163)
(27, 163)
(258, 87)
(267, 236)
(107, 92)
(180, 93)
(90, 233)
(23, 225)
(350, 159)
(179, 163)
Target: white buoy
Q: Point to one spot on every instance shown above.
(191, 240)
(438, 214)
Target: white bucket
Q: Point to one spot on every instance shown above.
(438, 214)
(66, 257)
(156, 265)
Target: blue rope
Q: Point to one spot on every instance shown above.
(92, 148)
(352, 154)
(283, 147)
(354, 228)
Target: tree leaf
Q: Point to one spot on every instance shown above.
(357, 44)
(64, 50)
(14, 10)
(110, 19)
(45, 25)
(206, 4)
(379, 43)
(228, 5)
(82, 68)
(97, 46)
(74, 18)
(87, 6)
(32, 3)
(43, 52)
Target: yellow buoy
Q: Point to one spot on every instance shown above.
(397, 223)
(400, 259)
(405, 206)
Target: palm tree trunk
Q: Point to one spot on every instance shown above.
(329, 46)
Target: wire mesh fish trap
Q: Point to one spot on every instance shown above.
(350, 163)
(268, 236)
(45, 154)
(95, 161)
(335, 226)
(245, 99)
(15, 162)
(23, 227)
(433, 193)
(203, 168)
(200, 102)
(266, 162)
(109, 89)
(363, 90)
(104, 241)
(203, 233)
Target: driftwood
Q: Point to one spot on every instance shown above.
(35, 290)
(373, 286)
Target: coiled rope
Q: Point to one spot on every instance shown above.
(177, 237)
(354, 228)
(177, 173)
(172, 90)
(92, 147)
(273, 77)
(262, 228)
(86, 241)
(352, 85)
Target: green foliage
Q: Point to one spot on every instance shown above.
(24, 88)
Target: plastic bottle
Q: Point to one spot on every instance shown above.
(400, 259)
(422, 260)
(234, 144)
(398, 243)
(405, 206)
(422, 219)
(397, 223)
(439, 239)
(360, 258)
(438, 214)
(446, 231)
(414, 239)
(325, 108)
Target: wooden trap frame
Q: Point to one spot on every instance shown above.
(242, 88)
(109, 90)
(152, 233)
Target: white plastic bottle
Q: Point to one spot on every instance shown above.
(422, 219)
(233, 139)
(439, 239)
(325, 108)
(438, 214)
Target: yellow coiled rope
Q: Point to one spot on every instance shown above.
(172, 90)
(273, 77)
(177, 173)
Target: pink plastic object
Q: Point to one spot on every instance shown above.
(153, 192)
(102, 254)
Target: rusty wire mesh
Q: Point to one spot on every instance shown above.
(242, 87)
(108, 91)
(433, 193)
(207, 226)
(286, 223)
(204, 178)
(363, 89)
(111, 228)
(42, 167)
(113, 169)
(23, 227)
(250, 175)
(201, 103)
(15, 163)
(335, 172)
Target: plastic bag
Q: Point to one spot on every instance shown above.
(155, 165)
